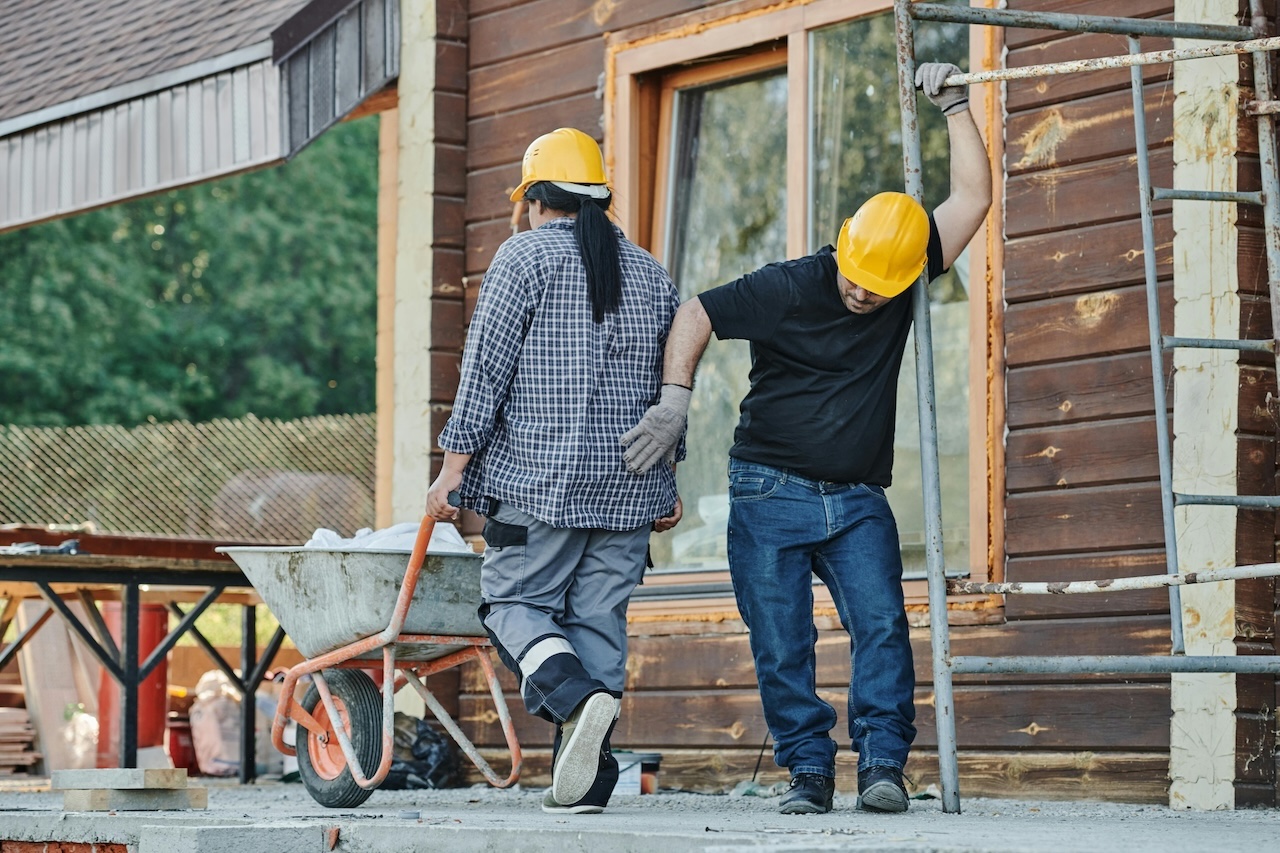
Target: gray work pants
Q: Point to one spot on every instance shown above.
(555, 606)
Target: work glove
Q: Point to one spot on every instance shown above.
(949, 99)
(659, 431)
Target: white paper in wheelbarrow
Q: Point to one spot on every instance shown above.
(328, 597)
(397, 537)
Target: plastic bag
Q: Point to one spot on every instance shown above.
(81, 735)
(215, 725)
(421, 757)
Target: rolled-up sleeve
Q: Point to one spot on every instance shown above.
(492, 351)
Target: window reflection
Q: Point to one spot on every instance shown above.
(855, 152)
(728, 217)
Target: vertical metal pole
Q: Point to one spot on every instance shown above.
(1263, 91)
(944, 703)
(129, 684)
(248, 705)
(1157, 351)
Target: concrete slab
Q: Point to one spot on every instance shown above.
(125, 778)
(283, 818)
(115, 799)
(286, 838)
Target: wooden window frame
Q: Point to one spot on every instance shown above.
(702, 75)
(637, 132)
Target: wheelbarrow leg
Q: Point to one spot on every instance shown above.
(508, 727)
(388, 720)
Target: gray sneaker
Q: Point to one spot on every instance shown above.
(583, 735)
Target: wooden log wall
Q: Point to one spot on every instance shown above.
(1082, 483)
(1082, 476)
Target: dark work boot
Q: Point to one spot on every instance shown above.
(597, 797)
(880, 789)
(594, 801)
(582, 742)
(810, 793)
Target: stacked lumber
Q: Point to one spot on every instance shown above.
(128, 789)
(16, 740)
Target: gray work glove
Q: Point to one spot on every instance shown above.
(658, 432)
(949, 99)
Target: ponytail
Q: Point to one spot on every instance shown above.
(597, 243)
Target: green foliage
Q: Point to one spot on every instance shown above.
(255, 293)
(223, 625)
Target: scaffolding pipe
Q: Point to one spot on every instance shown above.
(1132, 60)
(1262, 108)
(1076, 23)
(1270, 169)
(930, 480)
(1095, 664)
(1164, 445)
(1265, 106)
(1231, 197)
(1239, 501)
(1169, 342)
(1262, 570)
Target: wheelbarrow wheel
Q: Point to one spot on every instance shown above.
(321, 764)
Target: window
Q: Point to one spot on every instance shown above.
(732, 160)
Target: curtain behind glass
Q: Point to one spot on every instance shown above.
(727, 218)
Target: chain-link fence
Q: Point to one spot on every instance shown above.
(227, 479)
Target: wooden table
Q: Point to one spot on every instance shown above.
(54, 577)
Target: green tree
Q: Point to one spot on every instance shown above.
(255, 293)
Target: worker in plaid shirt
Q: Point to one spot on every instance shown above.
(563, 357)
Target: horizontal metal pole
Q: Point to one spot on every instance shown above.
(1089, 664)
(1262, 108)
(1165, 194)
(1169, 342)
(724, 589)
(1127, 60)
(1241, 501)
(1076, 23)
(1262, 570)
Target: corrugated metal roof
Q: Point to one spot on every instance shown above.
(54, 51)
(211, 126)
(115, 100)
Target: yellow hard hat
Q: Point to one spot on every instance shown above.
(884, 246)
(566, 156)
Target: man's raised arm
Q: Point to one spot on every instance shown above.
(959, 217)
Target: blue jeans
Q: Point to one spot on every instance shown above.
(783, 528)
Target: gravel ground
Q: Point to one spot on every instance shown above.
(484, 818)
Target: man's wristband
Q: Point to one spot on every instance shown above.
(679, 385)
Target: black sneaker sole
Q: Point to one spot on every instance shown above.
(883, 797)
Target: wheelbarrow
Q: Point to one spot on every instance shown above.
(346, 609)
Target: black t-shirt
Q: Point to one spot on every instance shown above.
(824, 381)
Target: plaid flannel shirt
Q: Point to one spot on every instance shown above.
(546, 393)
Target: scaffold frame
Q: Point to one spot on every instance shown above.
(1251, 39)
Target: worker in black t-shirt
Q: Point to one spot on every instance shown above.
(812, 455)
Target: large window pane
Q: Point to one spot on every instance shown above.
(727, 217)
(856, 151)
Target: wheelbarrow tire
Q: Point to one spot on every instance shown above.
(322, 767)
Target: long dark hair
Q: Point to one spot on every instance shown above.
(597, 243)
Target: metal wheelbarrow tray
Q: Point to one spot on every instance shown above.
(344, 610)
